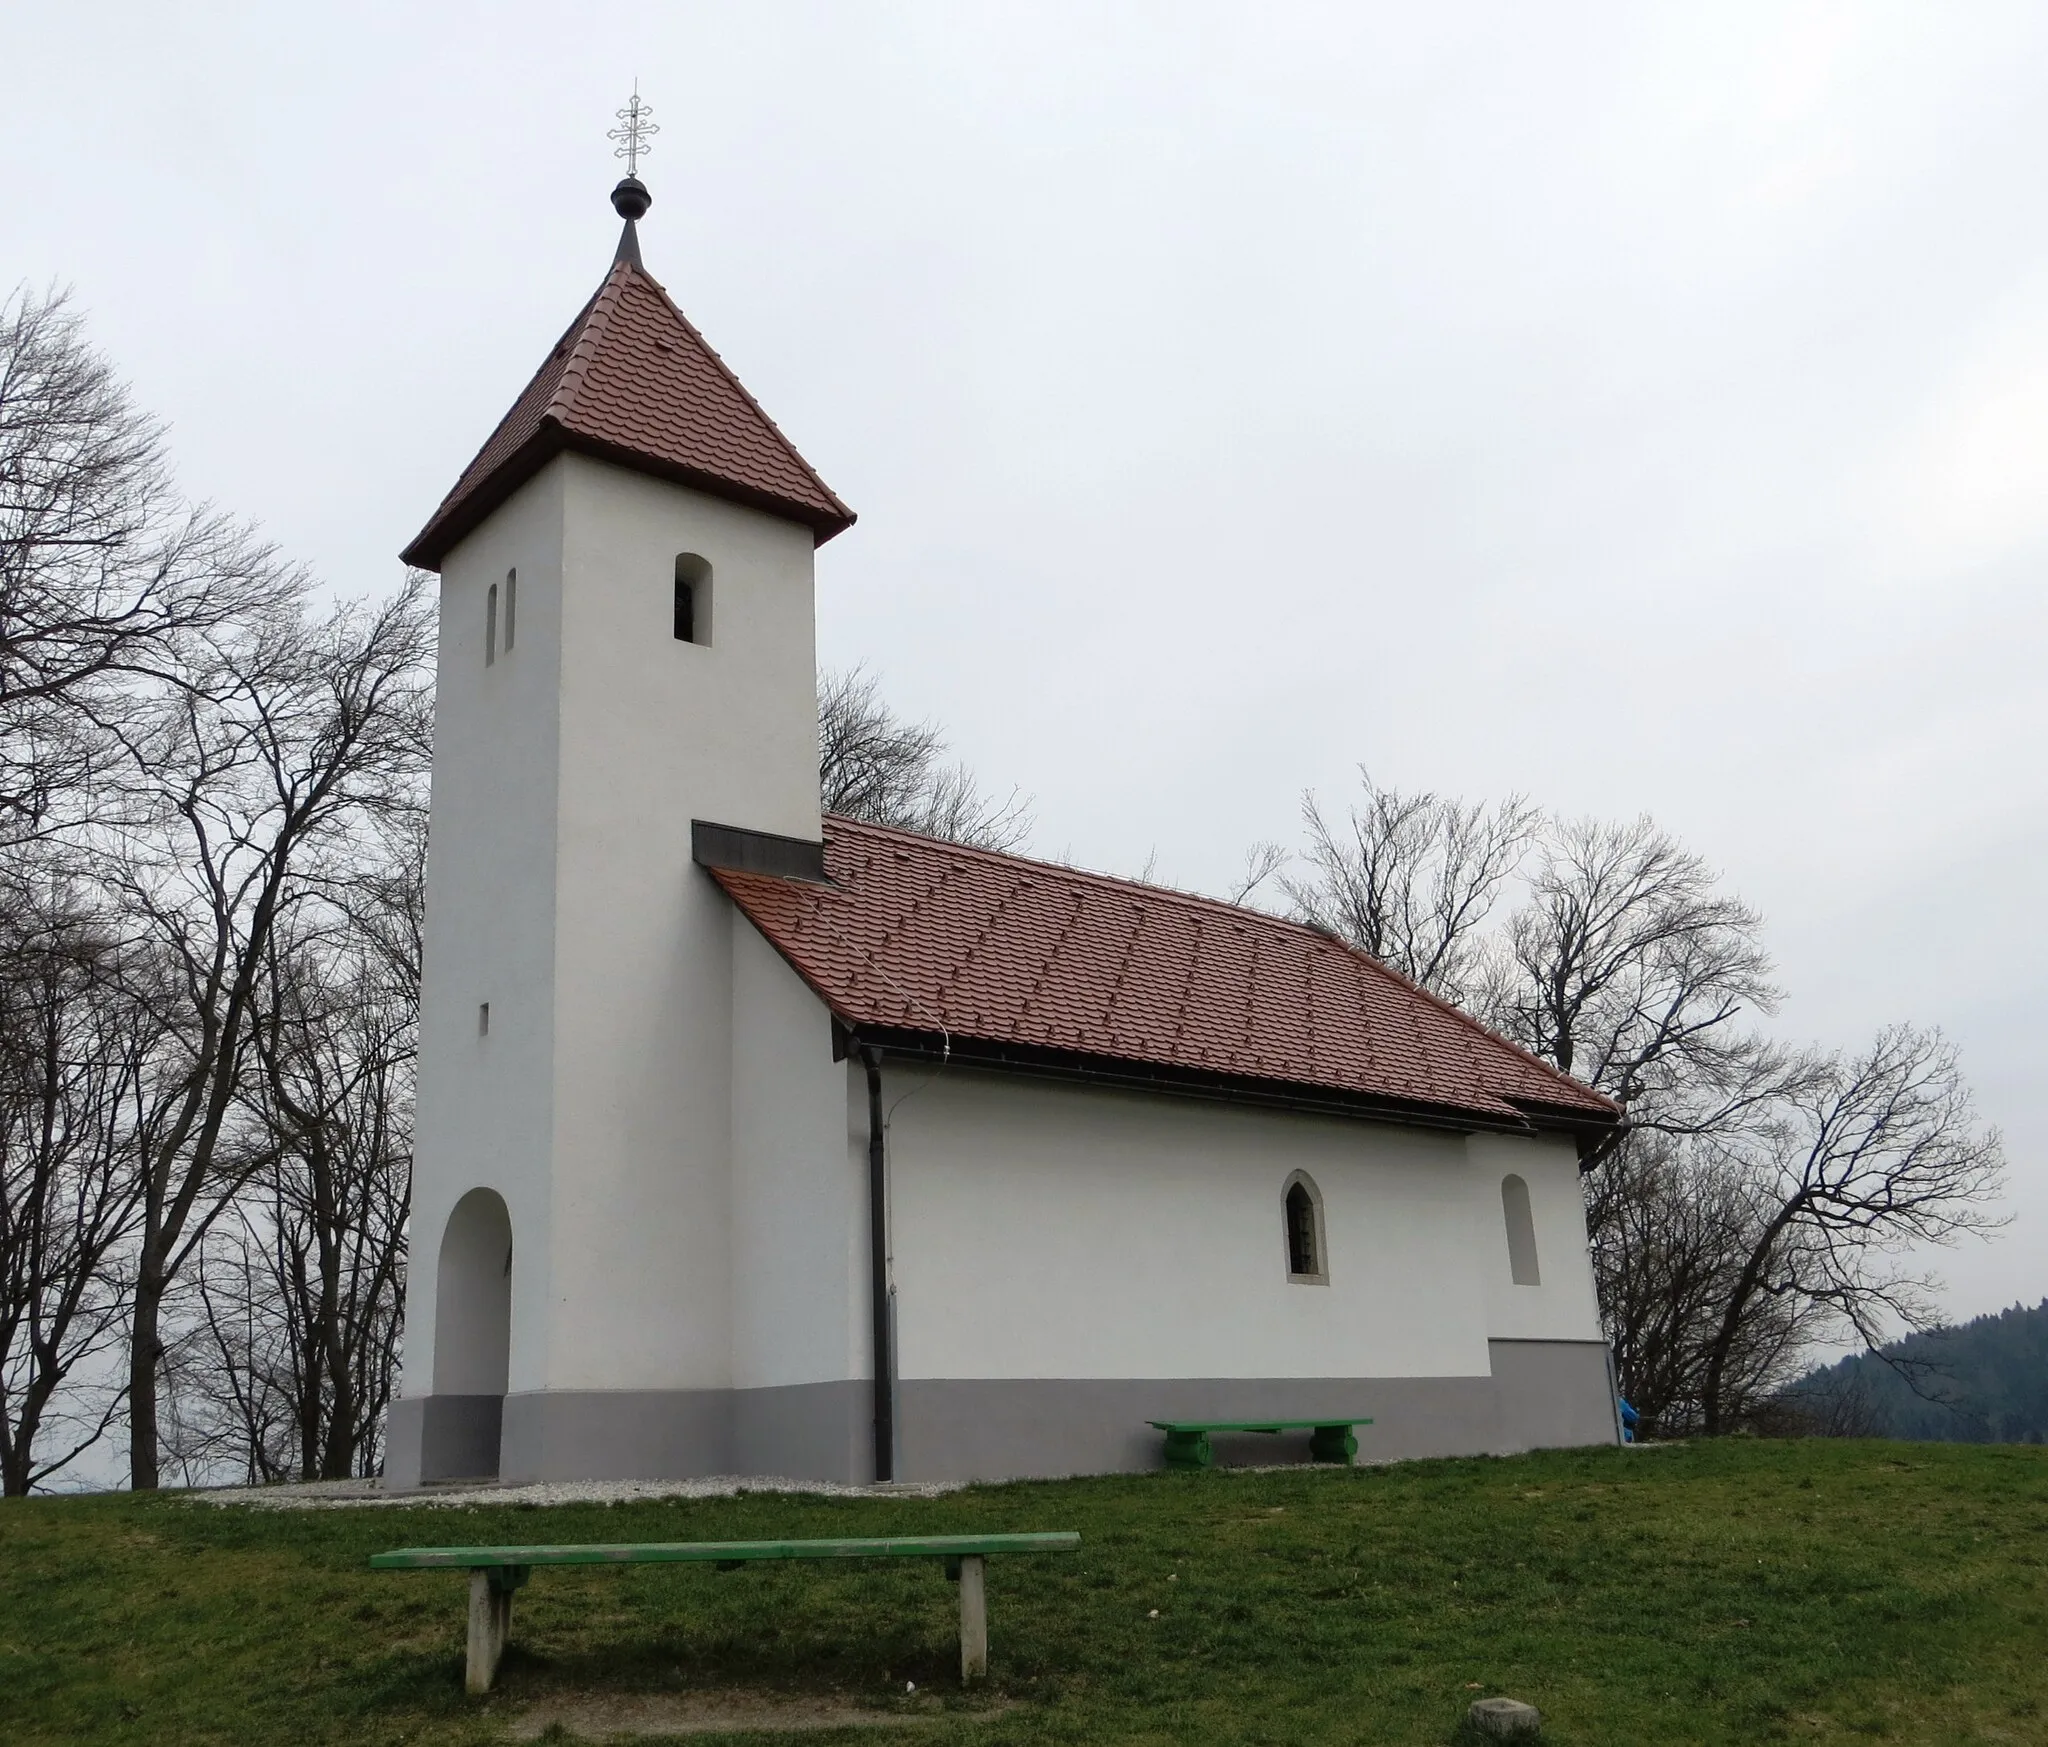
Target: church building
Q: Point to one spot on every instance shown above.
(755, 1141)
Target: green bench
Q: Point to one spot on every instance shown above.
(1187, 1440)
(495, 1572)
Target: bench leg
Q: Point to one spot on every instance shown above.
(490, 1624)
(1188, 1450)
(973, 1620)
(1333, 1444)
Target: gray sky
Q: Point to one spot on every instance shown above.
(1643, 408)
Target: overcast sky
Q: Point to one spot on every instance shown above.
(1646, 409)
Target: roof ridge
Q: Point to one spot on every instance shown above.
(1218, 906)
(594, 323)
(726, 370)
(1067, 870)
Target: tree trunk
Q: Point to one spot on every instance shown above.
(145, 1351)
(16, 1450)
(1713, 1414)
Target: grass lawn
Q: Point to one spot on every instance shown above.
(1732, 1592)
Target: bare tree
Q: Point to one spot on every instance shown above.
(318, 1241)
(1671, 1230)
(1837, 1403)
(291, 736)
(1629, 969)
(1412, 878)
(104, 571)
(78, 1100)
(874, 765)
(1261, 862)
(1753, 1197)
(1875, 1153)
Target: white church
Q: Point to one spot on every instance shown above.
(755, 1141)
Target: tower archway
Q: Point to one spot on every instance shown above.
(473, 1328)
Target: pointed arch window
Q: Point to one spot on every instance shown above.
(1521, 1224)
(1301, 1217)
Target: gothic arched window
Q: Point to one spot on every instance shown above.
(1301, 1213)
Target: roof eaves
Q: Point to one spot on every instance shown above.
(460, 517)
(966, 1051)
(823, 525)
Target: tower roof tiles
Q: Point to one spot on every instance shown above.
(633, 382)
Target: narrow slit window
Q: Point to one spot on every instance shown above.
(1521, 1222)
(1301, 1210)
(483, 1019)
(693, 599)
(511, 608)
(491, 626)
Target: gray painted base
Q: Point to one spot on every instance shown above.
(441, 1437)
(804, 1431)
(1541, 1394)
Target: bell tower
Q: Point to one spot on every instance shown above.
(627, 646)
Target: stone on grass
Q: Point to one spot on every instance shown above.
(1507, 1718)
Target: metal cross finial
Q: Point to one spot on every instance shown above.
(633, 136)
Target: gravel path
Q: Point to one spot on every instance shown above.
(370, 1494)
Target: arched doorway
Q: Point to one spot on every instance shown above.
(473, 1332)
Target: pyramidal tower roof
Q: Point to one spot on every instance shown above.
(633, 382)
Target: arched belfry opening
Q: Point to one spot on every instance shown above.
(473, 1331)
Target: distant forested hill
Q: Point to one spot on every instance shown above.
(1988, 1381)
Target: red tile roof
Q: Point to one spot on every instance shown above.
(1034, 961)
(633, 382)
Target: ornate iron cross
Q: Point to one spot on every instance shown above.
(636, 129)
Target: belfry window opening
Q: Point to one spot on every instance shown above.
(693, 599)
(491, 626)
(511, 607)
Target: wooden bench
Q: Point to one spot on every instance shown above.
(1187, 1440)
(495, 1572)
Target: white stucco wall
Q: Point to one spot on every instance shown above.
(486, 1102)
(656, 733)
(1047, 1230)
(1564, 1307)
(799, 1183)
(561, 890)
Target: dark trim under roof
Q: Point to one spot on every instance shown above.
(1075, 1066)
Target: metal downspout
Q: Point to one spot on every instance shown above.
(878, 1270)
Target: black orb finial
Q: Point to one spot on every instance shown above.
(630, 200)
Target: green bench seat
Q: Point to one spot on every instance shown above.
(1187, 1440)
(495, 1572)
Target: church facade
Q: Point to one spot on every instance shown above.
(753, 1141)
